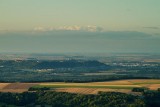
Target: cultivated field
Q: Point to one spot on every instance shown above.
(16, 87)
(91, 90)
(85, 88)
(2, 85)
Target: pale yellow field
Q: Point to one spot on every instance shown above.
(91, 90)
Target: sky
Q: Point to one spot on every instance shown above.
(89, 26)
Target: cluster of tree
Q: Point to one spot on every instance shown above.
(137, 89)
(60, 99)
(49, 77)
(152, 98)
(38, 89)
(17, 99)
(69, 64)
(43, 64)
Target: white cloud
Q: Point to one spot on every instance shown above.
(70, 28)
(92, 28)
(40, 29)
(74, 28)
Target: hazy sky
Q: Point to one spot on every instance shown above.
(109, 14)
(96, 24)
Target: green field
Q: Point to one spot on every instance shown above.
(70, 86)
(120, 84)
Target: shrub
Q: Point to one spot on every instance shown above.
(139, 89)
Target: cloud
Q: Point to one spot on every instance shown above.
(40, 29)
(155, 28)
(70, 28)
(89, 32)
(92, 28)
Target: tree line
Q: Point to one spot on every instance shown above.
(61, 99)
